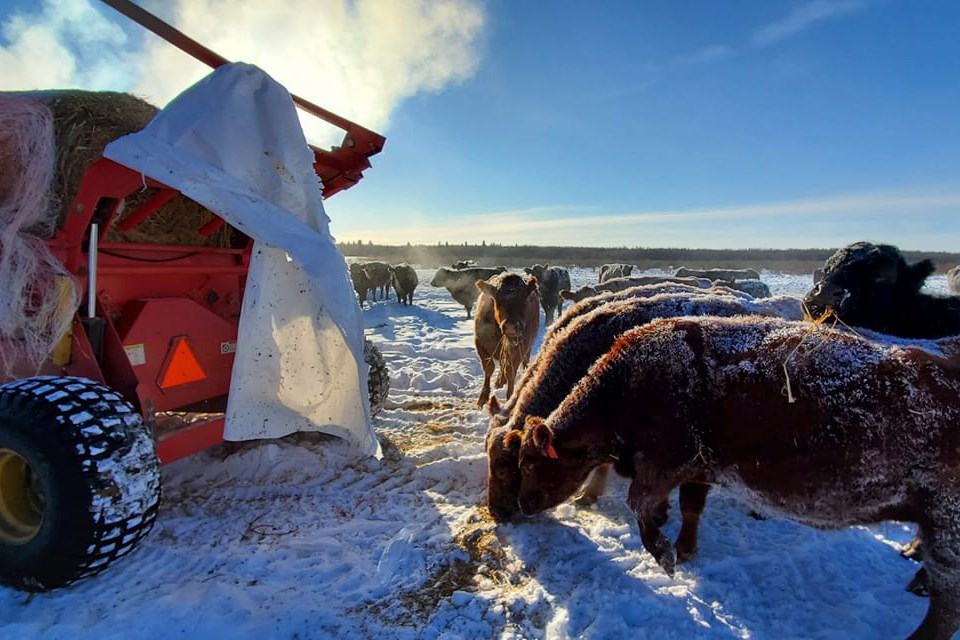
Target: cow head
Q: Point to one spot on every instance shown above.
(503, 470)
(864, 283)
(549, 473)
(536, 271)
(441, 278)
(511, 303)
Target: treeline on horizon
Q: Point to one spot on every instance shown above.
(783, 260)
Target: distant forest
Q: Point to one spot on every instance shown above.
(783, 260)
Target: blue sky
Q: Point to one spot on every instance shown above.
(728, 124)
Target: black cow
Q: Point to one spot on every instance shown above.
(550, 281)
(405, 280)
(871, 285)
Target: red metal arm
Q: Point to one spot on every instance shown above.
(339, 168)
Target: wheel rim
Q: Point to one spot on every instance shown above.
(21, 501)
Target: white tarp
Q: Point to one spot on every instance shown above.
(233, 143)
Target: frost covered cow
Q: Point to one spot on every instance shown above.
(699, 400)
(718, 274)
(462, 283)
(550, 281)
(405, 280)
(505, 327)
(614, 270)
(872, 286)
(564, 358)
(756, 288)
(628, 282)
(953, 280)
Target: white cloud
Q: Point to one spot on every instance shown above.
(803, 17)
(790, 224)
(64, 44)
(357, 58)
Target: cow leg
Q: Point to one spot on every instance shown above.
(511, 374)
(594, 487)
(942, 570)
(693, 498)
(486, 361)
(647, 492)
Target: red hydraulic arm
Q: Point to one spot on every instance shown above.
(339, 168)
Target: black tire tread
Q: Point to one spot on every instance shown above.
(95, 438)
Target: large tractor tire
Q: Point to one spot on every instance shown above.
(378, 381)
(79, 480)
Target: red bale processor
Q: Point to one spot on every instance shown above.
(142, 377)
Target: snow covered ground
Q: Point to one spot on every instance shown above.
(297, 538)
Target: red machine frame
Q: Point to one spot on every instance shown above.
(169, 314)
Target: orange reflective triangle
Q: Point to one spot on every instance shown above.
(182, 367)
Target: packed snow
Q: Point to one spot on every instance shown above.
(303, 538)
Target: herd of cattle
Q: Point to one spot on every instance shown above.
(839, 409)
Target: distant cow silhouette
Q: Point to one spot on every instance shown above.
(461, 283)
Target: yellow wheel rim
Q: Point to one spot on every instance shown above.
(21, 501)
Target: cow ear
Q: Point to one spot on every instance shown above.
(532, 284)
(512, 439)
(917, 274)
(542, 435)
(493, 407)
(485, 287)
(566, 294)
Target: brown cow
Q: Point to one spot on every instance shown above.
(564, 359)
(825, 427)
(505, 327)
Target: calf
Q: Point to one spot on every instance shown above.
(505, 327)
(865, 432)
(565, 357)
(614, 270)
(404, 280)
(718, 274)
(619, 284)
(550, 280)
(461, 283)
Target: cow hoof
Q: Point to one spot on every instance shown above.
(669, 563)
(918, 585)
(684, 555)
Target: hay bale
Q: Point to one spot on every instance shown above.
(84, 123)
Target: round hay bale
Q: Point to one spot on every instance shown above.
(84, 123)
